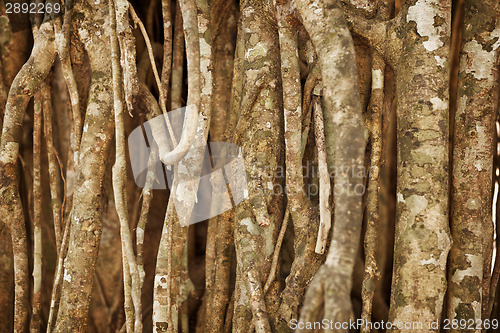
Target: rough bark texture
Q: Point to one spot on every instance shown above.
(23, 87)
(258, 130)
(333, 43)
(86, 217)
(422, 239)
(343, 135)
(220, 241)
(372, 273)
(473, 148)
(172, 283)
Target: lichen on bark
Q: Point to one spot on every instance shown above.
(86, 214)
(330, 289)
(422, 238)
(473, 138)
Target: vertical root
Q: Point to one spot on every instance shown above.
(119, 179)
(27, 80)
(158, 81)
(259, 312)
(276, 254)
(312, 80)
(147, 196)
(62, 37)
(54, 171)
(372, 208)
(324, 179)
(329, 34)
(55, 297)
(167, 48)
(190, 23)
(177, 61)
(299, 205)
(37, 208)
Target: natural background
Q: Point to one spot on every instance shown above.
(316, 93)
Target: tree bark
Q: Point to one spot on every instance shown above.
(86, 214)
(23, 87)
(257, 132)
(422, 238)
(330, 289)
(473, 147)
